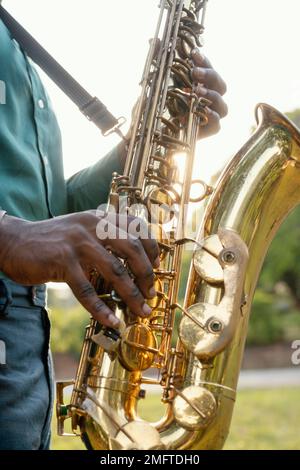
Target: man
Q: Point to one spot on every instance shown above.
(48, 233)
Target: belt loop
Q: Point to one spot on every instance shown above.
(9, 300)
(38, 295)
(34, 297)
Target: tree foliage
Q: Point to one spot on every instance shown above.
(283, 260)
(294, 116)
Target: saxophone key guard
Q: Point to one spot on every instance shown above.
(207, 329)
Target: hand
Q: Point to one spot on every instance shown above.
(209, 85)
(67, 249)
(212, 87)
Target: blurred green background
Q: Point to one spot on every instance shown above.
(262, 420)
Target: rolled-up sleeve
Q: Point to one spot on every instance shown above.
(90, 187)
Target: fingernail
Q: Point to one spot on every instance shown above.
(146, 310)
(156, 263)
(114, 321)
(152, 292)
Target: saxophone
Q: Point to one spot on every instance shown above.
(192, 353)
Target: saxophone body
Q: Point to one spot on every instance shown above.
(192, 353)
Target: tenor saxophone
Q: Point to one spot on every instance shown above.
(192, 352)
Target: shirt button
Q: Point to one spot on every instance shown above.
(45, 158)
(41, 104)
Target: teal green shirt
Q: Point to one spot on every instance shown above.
(32, 184)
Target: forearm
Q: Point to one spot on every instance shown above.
(9, 227)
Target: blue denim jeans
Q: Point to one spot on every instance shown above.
(26, 383)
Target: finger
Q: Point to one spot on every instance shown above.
(212, 127)
(209, 78)
(87, 296)
(217, 102)
(133, 251)
(114, 271)
(116, 228)
(138, 228)
(199, 59)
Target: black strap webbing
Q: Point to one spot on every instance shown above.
(91, 107)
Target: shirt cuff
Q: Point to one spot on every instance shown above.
(2, 214)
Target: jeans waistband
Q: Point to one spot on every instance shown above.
(16, 295)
